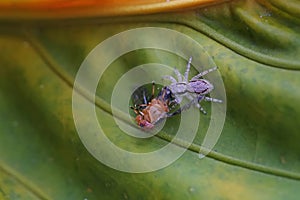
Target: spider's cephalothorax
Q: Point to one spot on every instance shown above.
(150, 110)
(194, 89)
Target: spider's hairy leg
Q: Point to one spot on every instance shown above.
(179, 76)
(201, 108)
(197, 101)
(203, 73)
(186, 73)
(170, 78)
(212, 100)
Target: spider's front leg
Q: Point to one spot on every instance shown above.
(186, 73)
(203, 73)
(179, 76)
(170, 78)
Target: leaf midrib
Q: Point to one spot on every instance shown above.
(23, 181)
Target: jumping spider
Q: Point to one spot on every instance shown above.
(194, 89)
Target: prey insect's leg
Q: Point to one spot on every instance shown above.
(203, 73)
(186, 73)
(143, 105)
(153, 90)
(144, 97)
(136, 111)
(162, 96)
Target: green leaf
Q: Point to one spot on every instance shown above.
(256, 157)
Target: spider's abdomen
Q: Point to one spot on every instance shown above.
(201, 86)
